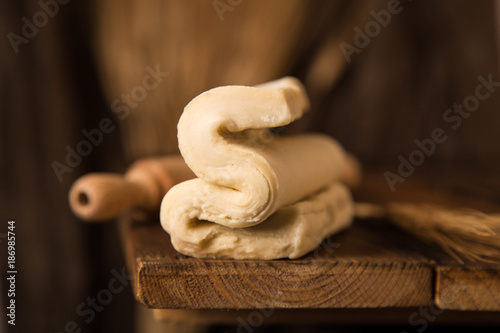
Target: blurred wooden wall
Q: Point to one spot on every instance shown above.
(68, 76)
(394, 91)
(49, 94)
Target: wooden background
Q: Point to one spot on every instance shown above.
(65, 79)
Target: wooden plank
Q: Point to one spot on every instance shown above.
(355, 269)
(472, 286)
(371, 265)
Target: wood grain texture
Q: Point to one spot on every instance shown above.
(355, 269)
(468, 288)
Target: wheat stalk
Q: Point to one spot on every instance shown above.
(464, 234)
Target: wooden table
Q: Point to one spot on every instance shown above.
(373, 270)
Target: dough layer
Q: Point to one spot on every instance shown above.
(246, 174)
(291, 232)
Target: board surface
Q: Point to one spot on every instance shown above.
(373, 264)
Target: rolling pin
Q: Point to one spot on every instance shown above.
(103, 196)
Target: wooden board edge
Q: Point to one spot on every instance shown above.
(473, 288)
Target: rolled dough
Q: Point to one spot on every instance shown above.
(258, 195)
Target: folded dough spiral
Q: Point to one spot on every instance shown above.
(245, 175)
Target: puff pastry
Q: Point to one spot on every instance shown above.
(258, 195)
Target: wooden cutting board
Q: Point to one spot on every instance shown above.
(373, 264)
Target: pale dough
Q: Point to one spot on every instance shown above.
(246, 202)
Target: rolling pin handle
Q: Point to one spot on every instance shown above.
(103, 196)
